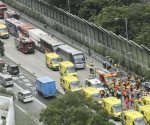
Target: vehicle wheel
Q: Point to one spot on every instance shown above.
(39, 92)
(17, 48)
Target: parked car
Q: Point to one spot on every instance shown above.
(25, 96)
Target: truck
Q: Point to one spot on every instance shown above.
(113, 107)
(132, 117)
(24, 29)
(24, 44)
(52, 60)
(45, 86)
(11, 14)
(35, 35)
(93, 93)
(67, 68)
(145, 110)
(3, 31)
(3, 8)
(145, 100)
(70, 83)
(107, 77)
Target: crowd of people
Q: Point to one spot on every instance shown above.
(129, 90)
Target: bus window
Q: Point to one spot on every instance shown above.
(79, 59)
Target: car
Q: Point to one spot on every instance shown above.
(13, 69)
(25, 96)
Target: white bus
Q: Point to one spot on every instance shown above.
(35, 35)
(71, 54)
(49, 44)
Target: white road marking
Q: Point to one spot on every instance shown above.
(26, 80)
(28, 84)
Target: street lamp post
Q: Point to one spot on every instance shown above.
(127, 37)
(69, 6)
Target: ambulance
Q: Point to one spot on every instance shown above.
(67, 68)
(52, 60)
(70, 83)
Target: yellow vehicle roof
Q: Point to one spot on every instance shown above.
(66, 63)
(90, 90)
(145, 108)
(133, 114)
(112, 100)
(146, 98)
(70, 78)
(2, 25)
(52, 55)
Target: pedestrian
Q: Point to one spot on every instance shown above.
(132, 100)
(89, 52)
(127, 105)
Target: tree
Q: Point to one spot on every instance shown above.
(74, 109)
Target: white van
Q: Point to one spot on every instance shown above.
(25, 96)
(6, 80)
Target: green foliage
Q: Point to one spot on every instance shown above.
(74, 109)
(5, 92)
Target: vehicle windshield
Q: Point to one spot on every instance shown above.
(74, 84)
(55, 60)
(139, 121)
(96, 96)
(15, 68)
(28, 44)
(70, 69)
(27, 94)
(8, 79)
(98, 85)
(55, 48)
(79, 58)
(3, 30)
(110, 79)
(117, 108)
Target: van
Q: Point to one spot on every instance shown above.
(145, 110)
(6, 80)
(25, 96)
(70, 83)
(67, 68)
(92, 93)
(13, 69)
(132, 117)
(4, 31)
(52, 60)
(113, 107)
(94, 82)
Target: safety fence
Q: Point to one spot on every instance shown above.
(86, 33)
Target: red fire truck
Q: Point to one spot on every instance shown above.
(2, 9)
(24, 45)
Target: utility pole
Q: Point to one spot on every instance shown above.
(69, 6)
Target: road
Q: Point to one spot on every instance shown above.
(34, 63)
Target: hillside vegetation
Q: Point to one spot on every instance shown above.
(104, 12)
